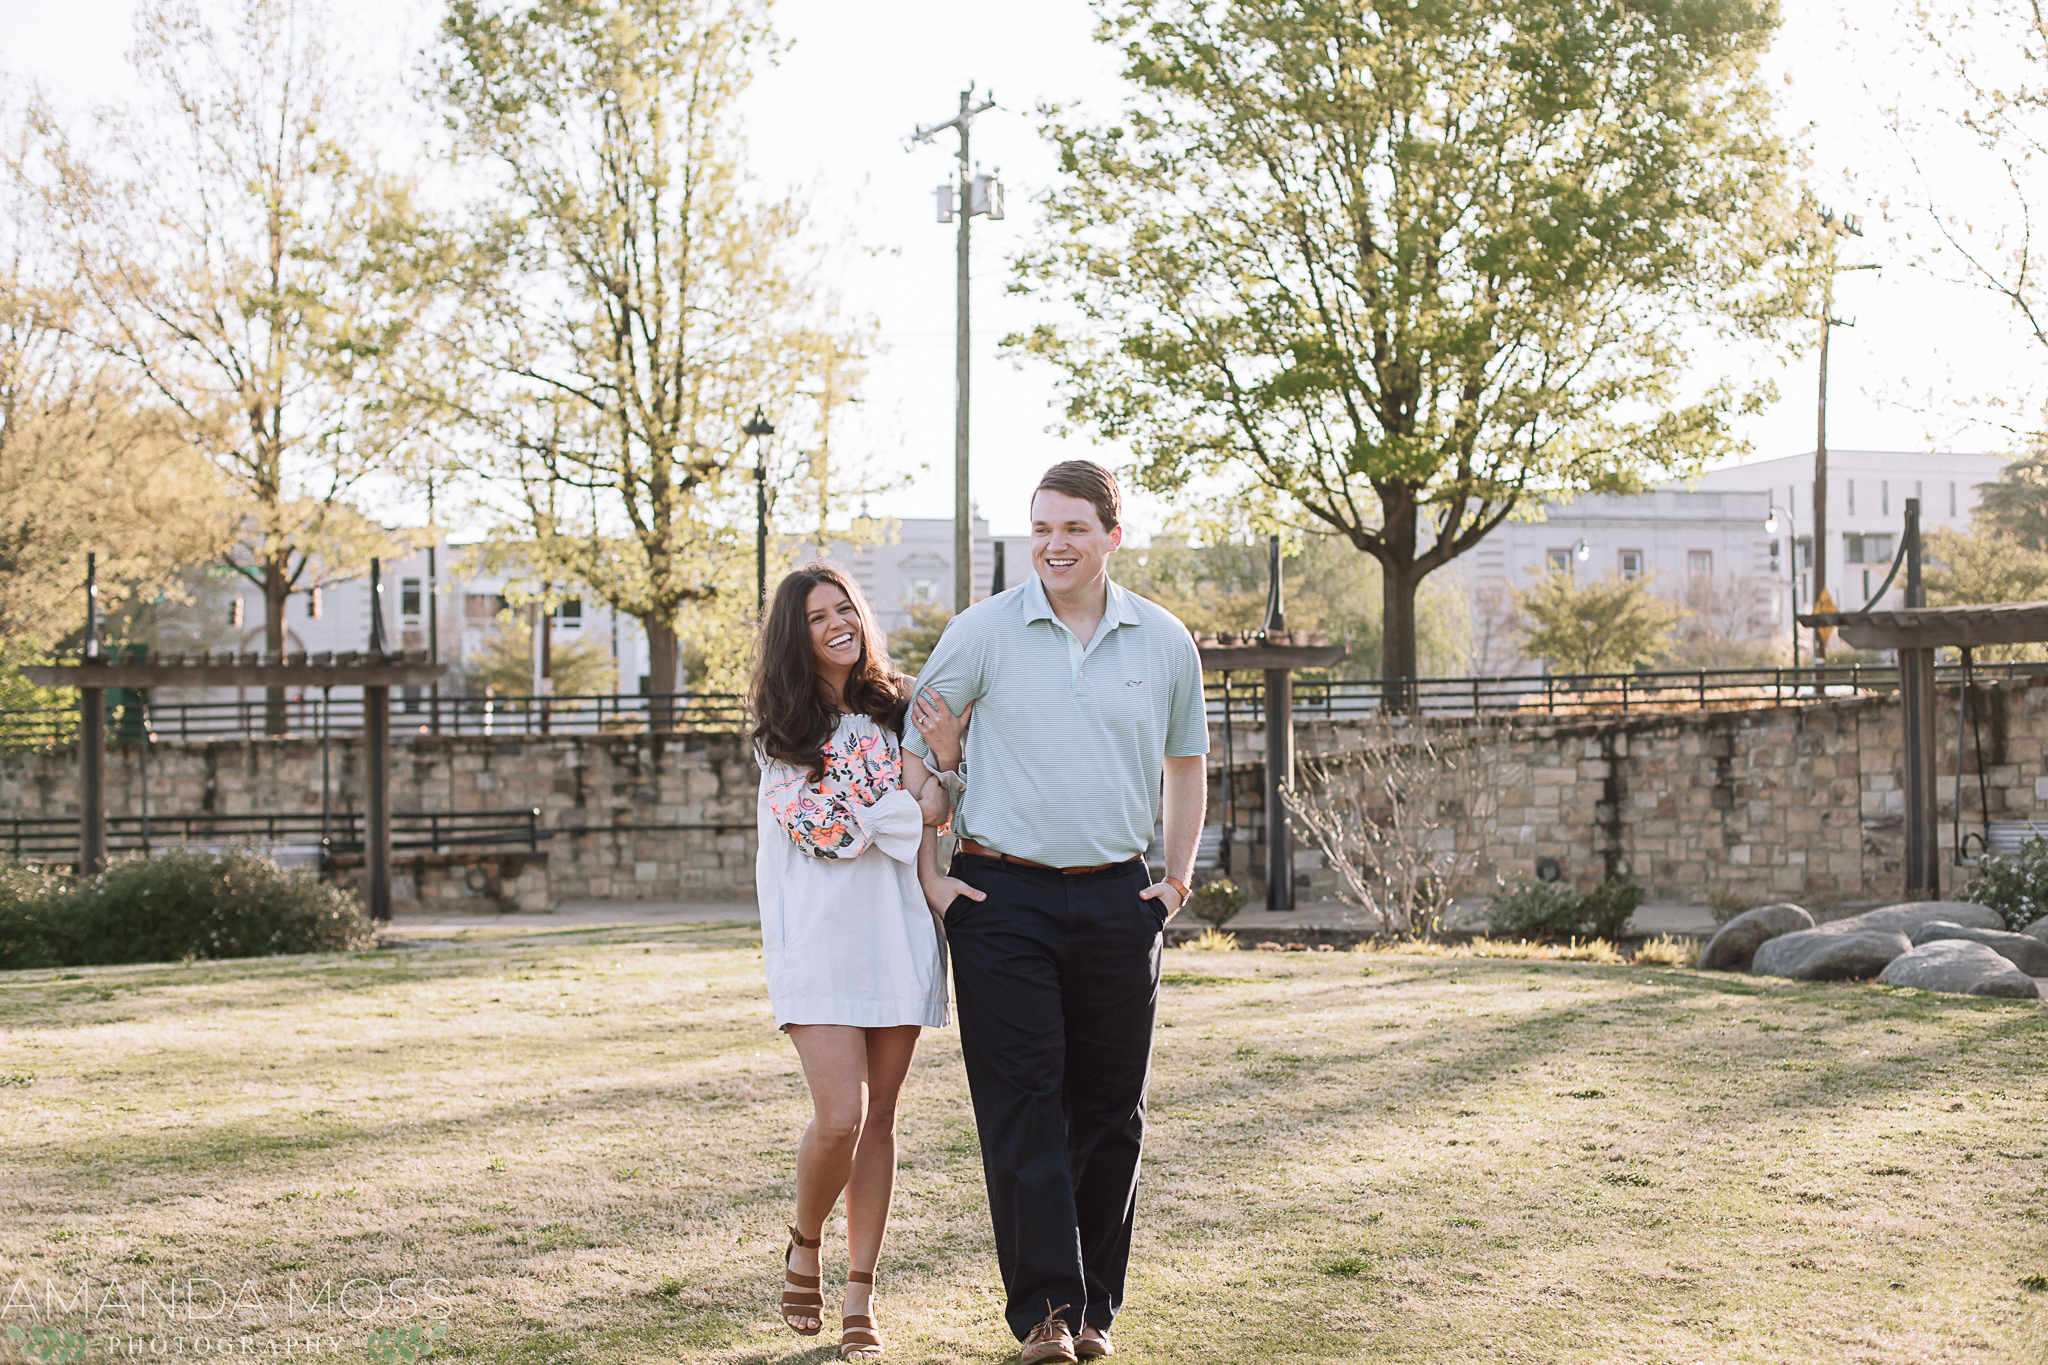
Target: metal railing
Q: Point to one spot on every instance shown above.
(1539, 695)
(55, 838)
(312, 716)
(1526, 695)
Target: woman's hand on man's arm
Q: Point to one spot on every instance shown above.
(939, 727)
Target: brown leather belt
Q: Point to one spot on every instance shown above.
(983, 851)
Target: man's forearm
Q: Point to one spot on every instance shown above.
(1185, 800)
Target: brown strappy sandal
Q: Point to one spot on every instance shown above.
(808, 1303)
(858, 1337)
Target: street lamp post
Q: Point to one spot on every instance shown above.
(760, 428)
(1791, 567)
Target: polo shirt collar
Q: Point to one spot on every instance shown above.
(1117, 610)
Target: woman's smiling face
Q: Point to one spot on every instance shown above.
(835, 629)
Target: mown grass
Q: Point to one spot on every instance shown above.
(587, 1139)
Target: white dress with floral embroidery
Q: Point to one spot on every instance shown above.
(845, 933)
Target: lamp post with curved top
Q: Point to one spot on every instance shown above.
(1791, 567)
(760, 428)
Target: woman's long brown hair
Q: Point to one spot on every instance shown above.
(792, 716)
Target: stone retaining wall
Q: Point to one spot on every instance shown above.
(1804, 802)
(633, 817)
(1799, 801)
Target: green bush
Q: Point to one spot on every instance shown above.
(1604, 911)
(1538, 909)
(1217, 902)
(1725, 905)
(1549, 910)
(169, 908)
(2014, 884)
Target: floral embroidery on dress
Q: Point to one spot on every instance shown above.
(824, 818)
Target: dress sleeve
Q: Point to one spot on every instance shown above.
(826, 822)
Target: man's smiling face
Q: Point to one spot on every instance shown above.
(1069, 548)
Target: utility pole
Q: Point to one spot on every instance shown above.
(1845, 226)
(760, 428)
(976, 194)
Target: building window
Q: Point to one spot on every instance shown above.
(1951, 499)
(569, 616)
(1866, 549)
(1560, 561)
(923, 591)
(235, 612)
(313, 604)
(1700, 563)
(1631, 563)
(1851, 484)
(408, 597)
(1884, 497)
(1802, 553)
(481, 608)
(1866, 585)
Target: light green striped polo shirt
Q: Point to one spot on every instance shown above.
(1067, 744)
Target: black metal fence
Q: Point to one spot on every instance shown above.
(1563, 694)
(321, 836)
(1528, 695)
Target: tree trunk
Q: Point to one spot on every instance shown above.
(1397, 639)
(1398, 581)
(277, 598)
(661, 674)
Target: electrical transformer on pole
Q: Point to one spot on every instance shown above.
(974, 194)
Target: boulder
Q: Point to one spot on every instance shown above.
(2028, 954)
(2038, 929)
(1959, 967)
(1911, 916)
(1731, 949)
(1826, 954)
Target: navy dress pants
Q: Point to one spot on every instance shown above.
(1057, 984)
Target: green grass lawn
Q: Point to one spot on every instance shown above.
(582, 1144)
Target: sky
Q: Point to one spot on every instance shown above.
(1924, 357)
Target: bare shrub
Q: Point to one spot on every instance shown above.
(1388, 818)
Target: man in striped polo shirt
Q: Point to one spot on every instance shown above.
(1088, 729)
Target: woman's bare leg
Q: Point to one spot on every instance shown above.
(835, 1060)
(872, 1183)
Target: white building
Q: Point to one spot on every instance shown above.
(448, 609)
(1867, 492)
(1707, 549)
(911, 564)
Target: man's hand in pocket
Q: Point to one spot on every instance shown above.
(940, 892)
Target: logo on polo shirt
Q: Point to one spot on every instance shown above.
(1135, 682)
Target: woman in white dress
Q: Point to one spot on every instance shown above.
(855, 962)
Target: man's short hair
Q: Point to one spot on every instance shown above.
(1090, 482)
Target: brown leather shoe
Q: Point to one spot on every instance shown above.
(1093, 1343)
(1050, 1340)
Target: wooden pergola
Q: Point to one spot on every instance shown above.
(1275, 652)
(376, 671)
(1916, 632)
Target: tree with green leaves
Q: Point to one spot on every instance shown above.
(912, 644)
(630, 301)
(2015, 504)
(1394, 269)
(1609, 625)
(236, 249)
(1990, 564)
